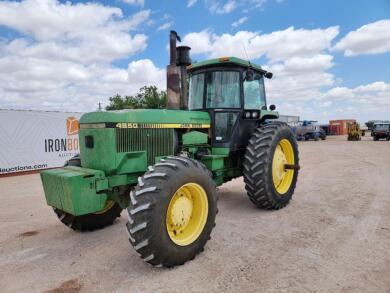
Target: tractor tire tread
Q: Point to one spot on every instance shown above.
(141, 215)
(256, 167)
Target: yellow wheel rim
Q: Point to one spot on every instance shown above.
(187, 214)
(109, 204)
(282, 177)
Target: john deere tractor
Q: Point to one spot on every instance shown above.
(163, 166)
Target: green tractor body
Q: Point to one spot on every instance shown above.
(116, 147)
(163, 165)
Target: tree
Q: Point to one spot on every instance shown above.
(148, 97)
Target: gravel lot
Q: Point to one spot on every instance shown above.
(333, 237)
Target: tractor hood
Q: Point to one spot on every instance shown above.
(147, 116)
(127, 141)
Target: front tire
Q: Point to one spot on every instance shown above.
(89, 222)
(172, 211)
(271, 149)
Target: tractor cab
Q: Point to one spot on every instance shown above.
(232, 91)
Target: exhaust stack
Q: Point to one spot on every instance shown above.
(179, 59)
(173, 74)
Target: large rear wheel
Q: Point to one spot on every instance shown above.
(172, 211)
(271, 166)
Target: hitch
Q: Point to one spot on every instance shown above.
(291, 167)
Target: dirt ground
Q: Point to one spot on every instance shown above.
(333, 237)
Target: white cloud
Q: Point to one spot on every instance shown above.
(165, 26)
(258, 3)
(278, 45)
(299, 59)
(199, 42)
(191, 3)
(365, 102)
(240, 21)
(372, 38)
(63, 61)
(221, 7)
(135, 2)
(227, 6)
(61, 85)
(373, 93)
(80, 32)
(371, 101)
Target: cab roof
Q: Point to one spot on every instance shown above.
(223, 61)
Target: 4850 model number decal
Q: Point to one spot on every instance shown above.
(161, 125)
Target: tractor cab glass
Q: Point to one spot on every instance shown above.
(214, 90)
(223, 89)
(196, 91)
(254, 93)
(220, 91)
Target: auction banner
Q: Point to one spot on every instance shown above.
(33, 140)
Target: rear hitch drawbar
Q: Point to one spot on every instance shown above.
(291, 167)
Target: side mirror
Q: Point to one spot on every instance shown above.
(268, 75)
(272, 107)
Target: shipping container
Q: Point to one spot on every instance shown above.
(340, 127)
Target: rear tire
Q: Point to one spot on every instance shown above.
(258, 166)
(153, 228)
(93, 221)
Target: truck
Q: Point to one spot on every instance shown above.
(381, 130)
(308, 129)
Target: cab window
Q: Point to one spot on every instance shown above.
(223, 89)
(196, 91)
(254, 93)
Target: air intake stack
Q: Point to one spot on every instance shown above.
(179, 59)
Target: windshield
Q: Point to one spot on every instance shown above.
(381, 126)
(254, 94)
(222, 90)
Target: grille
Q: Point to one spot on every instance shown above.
(156, 142)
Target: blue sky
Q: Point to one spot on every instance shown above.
(331, 59)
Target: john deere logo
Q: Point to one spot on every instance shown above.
(72, 125)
